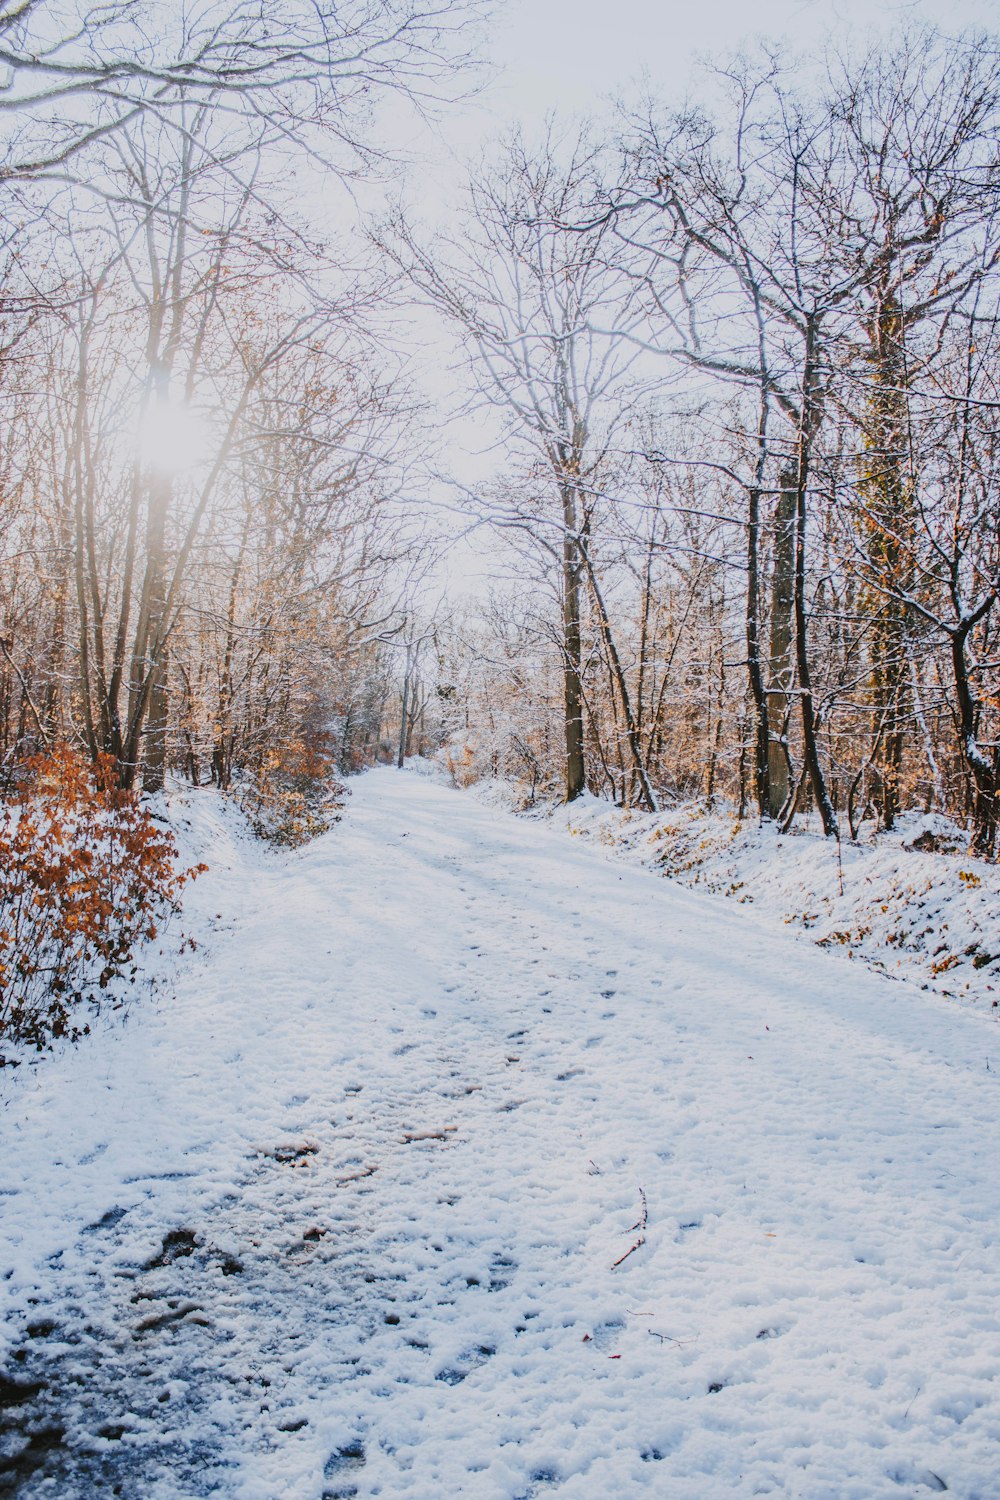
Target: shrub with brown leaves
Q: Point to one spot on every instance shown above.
(86, 875)
(294, 795)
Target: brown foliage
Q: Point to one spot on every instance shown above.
(85, 876)
(295, 795)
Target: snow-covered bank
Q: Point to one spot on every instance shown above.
(912, 903)
(350, 1212)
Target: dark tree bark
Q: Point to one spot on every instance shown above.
(572, 649)
(808, 426)
(984, 769)
(781, 677)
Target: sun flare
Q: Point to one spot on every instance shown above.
(173, 438)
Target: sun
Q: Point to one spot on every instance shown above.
(173, 438)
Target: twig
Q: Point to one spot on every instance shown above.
(668, 1338)
(639, 1225)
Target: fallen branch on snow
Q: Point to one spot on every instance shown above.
(639, 1225)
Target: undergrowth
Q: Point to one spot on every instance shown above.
(294, 795)
(86, 876)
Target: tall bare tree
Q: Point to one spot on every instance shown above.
(544, 311)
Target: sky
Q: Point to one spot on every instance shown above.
(574, 54)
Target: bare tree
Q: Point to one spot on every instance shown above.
(74, 78)
(544, 311)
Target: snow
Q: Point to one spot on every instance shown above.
(912, 902)
(336, 1212)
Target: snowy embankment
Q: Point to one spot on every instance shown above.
(913, 903)
(458, 1160)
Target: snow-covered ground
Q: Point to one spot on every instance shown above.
(912, 903)
(460, 1161)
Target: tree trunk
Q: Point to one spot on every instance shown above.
(782, 669)
(758, 692)
(404, 713)
(147, 678)
(618, 677)
(761, 761)
(572, 649)
(887, 526)
(984, 770)
(154, 756)
(808, 423)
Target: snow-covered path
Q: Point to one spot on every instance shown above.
(339, 1213)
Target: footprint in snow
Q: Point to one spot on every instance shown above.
(340, 1465)
(107, 1220)
(502, 1270)
(177, 1245)
(607, 1334)
(469, 1360)
(924, 1478)
(540, 1479)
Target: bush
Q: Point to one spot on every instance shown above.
(462, 762)
(85, 876)
(294, 795)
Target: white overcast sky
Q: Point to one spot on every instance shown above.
(570, 54)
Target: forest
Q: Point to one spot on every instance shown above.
(740, 360)
(448, 546)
